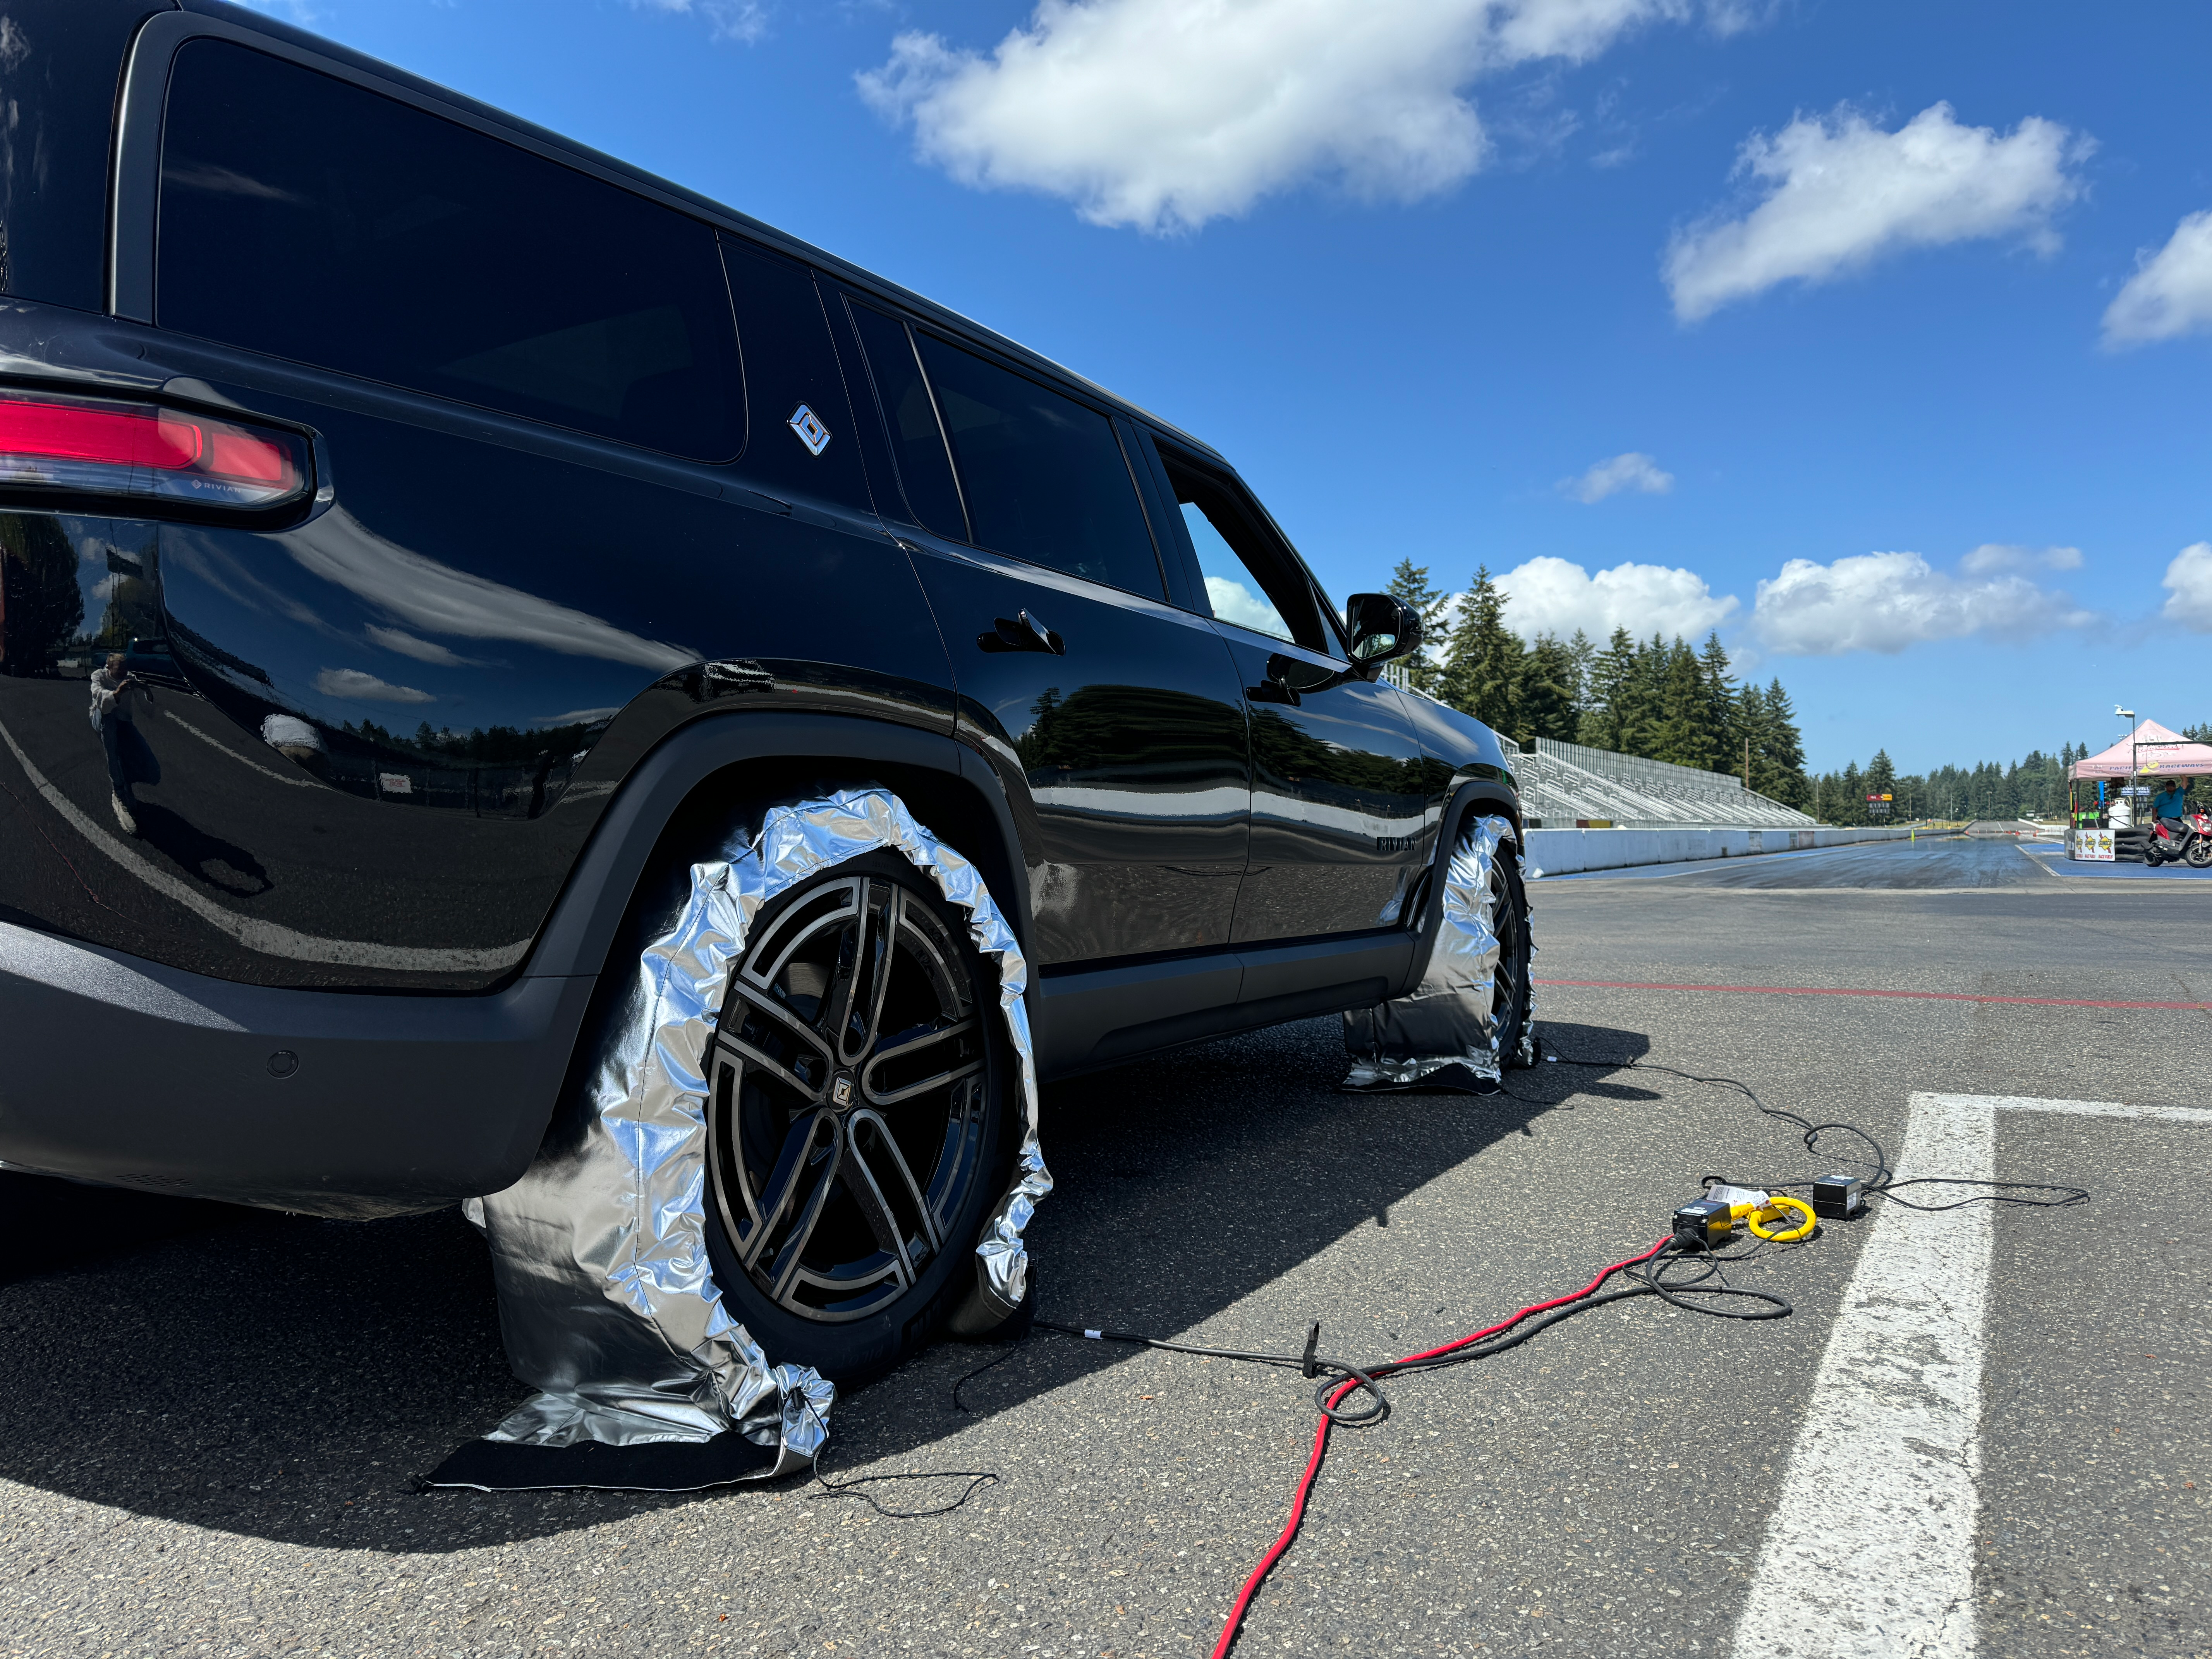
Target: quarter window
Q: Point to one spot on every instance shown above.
(310, 218)
(923, 466)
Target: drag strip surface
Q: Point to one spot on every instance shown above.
(214, 1415)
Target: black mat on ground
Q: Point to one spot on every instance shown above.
(689, 1466)
(1454, 1079)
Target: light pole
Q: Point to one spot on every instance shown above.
(2129, 715)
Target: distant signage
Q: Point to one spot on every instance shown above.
(1877, 807)
(2095, 845)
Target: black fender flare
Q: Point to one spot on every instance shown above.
(972, 813)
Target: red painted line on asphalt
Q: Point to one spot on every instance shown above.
(1835, 991)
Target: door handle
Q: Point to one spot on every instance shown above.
(1274, 689)
(1021, 633)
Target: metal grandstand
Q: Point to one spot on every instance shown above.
(1565, 786)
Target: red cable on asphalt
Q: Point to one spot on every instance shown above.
(1850, 991)
(1304, 1489)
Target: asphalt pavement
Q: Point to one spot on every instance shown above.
(214, 1417)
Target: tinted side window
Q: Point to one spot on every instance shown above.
(309, 218)
(1044, 476)
(1251, 579)
(919, 446)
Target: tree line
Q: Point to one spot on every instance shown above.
(1656, 698)
(2029, 788)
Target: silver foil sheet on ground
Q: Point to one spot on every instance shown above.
(1451, 1018)
(607, 1301)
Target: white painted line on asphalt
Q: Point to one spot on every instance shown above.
(1870, 1552)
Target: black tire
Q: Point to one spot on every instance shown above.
(1515, 961)
(851, 1267)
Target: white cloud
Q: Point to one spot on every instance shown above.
(1551, 596)
(2171, 293)
(744, 20)
(2189, 588)
(351, 683)
(1887, 601)
(391, 639)
(1161, 114)
(1993, 558)
(1633, 470)
(1839, 192)
(1233, 602)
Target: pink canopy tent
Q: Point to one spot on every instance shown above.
(2152, 749)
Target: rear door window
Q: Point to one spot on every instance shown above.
(1044, 476)
(310, 218)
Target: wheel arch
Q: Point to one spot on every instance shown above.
(677, 802)
(1468, 797)
(688, 787)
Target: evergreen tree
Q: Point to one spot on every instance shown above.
(1683, 731)
(1723, 738)
(41, 607)
(1544, 704)
(1644, 700)
(1604, 689)
(1778, 760)
(1881, 778)
(1582, 650)
(1850, 808)
(1483, 669)
(1410, 583)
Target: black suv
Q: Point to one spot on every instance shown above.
(484, 527)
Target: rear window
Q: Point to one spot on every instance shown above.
(307, 217)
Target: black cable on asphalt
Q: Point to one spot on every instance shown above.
(1884, 1181)
(976, 1479)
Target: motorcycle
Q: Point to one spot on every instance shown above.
(2185, 840)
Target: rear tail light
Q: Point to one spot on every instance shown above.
(104, 448)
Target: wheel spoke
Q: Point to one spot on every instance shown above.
(793, 1171)
(961, 1060)
(964, 1135)
(819, 1179)
(856, 996)
(751, 1054)
(886, 1166)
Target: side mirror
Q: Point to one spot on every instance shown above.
(1381, 627)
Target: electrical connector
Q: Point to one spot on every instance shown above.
(1706, 1224)
(1838, 1197)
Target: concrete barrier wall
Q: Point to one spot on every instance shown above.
(1561, 852)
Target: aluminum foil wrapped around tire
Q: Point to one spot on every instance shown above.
(1446, 1031)
(608, 1303)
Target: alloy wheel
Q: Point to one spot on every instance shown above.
(846, 1120)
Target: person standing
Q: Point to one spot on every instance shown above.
(109, 683)
(2171, 802)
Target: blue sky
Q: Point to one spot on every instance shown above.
(1876, 335)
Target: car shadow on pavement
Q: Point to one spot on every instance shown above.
(287, 1378)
